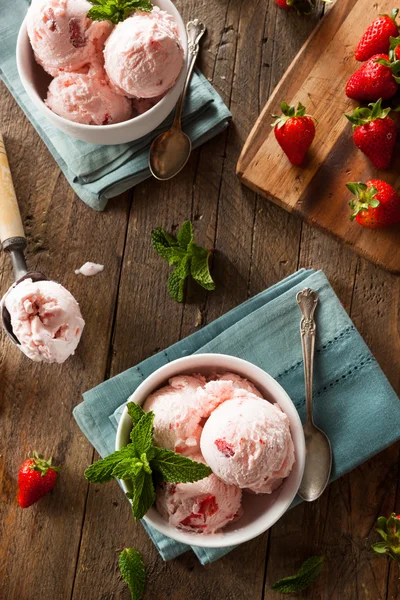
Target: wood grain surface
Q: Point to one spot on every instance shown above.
(66, 547)
(316, 191)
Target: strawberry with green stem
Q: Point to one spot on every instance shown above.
(377, 78)
(294, 131)
(303, 7)
(376, 39)
(376, 204)
(389, 530)
(36, 478)
(374, 133)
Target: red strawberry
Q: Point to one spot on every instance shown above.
(374, 79)
(376, 204)
(376, 40)
(374, 133)
(294, 131)
(303, 7)
(36, 478)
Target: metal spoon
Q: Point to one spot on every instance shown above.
(170, 150)
(12, 236)
(318, 448)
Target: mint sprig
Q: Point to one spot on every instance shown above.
(116, 10)
(133, 571)
(304, 577)
(144, 464)
(188, 258)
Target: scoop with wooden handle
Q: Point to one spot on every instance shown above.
(12, 235)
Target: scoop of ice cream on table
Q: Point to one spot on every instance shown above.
(62, 36)
(204, 506)
(46, 319)
(89, 269)
(247, 442)
(144, 55)
(88, 99)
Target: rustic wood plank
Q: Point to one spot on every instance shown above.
(316, 191)
(37, 399)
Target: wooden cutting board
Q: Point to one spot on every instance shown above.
(316, 191)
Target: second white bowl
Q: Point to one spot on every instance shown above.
(35, 81)
(261, 511)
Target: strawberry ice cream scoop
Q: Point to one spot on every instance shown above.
(46, 319)
(87, 98)
(63, 38)
(204, 506)
(144, 56)
(247, 442)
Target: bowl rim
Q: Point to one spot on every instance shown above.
(284, 501)
(34, 96)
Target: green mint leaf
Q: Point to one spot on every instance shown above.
(176, 286)
(185, 235)
(133, 572)
(128, 468)
(143, 494)
(101, 470)
(189, 258)
(116, 10)
(142, 434)
(200, 269)
(100, 13)
(304, 577)
(177, 468)
(135, 412)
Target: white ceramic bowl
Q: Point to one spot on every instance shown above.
(35, 81)
(260, 511)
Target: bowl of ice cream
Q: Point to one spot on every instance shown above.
(232, 415)
(98, 82)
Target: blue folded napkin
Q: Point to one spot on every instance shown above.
(98, 173)
(353, 401)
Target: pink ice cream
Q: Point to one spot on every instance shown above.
(178, 414)
(46, 319)
(247, 442)
(144, 55)
(89, 269)
(63, 38)
(204, 506)
(87, 98)
(182, 407)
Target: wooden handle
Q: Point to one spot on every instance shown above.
(10, 218)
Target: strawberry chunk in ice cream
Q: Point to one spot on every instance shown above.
(144, 56)
(247, 442)
(62, 36)
(46, 319)
(204, 506)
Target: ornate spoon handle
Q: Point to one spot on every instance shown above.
(307, 300)
(195, 29)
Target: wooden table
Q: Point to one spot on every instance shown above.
(67, 545)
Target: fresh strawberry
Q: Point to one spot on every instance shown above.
(377, 78)
(36, 478)
(303, 7)
(395, 48)
(376, 204)
(294, 132)
(389, 530)
(374, 132)
(376, 40)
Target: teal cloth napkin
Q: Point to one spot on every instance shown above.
(98, 173)
(353, 401)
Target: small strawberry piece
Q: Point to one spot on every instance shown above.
(192, 521)
(303, 7)
(377, 78)
(36, 478)
(376, 204)
(225, 448)
(106, 121)
(50, 19)
(374, 133)
(376, 40)
(208, 506)
(76, 35)
(294, 131)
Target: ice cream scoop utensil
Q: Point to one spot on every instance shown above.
(318, 462)
(12, 234)
(170, 150)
